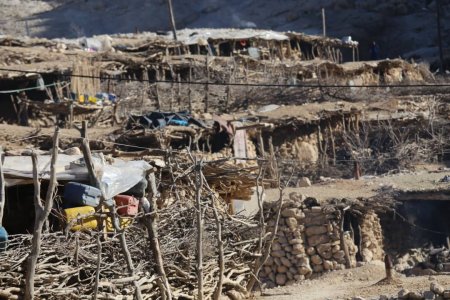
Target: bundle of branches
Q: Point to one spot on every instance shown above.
(68, 263)
(231, 179)
(179, 234)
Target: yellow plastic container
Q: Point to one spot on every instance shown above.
(81, 218)
(123, 221)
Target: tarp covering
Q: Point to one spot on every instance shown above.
(116, 178)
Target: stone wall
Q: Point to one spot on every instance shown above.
(307, 242)
(371, 237)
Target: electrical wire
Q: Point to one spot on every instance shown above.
(269, 85)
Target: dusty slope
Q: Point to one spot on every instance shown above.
(400, 26)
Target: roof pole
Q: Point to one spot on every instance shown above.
(324, 27)
(438, 17)
(172, 20)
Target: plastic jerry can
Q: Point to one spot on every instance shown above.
(126, 205)
(124, 222)
(3, 239)
(78, 194)
(81, 218)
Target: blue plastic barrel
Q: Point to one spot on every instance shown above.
(78, 194)
(3, 239)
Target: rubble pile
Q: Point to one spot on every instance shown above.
(308, 241)
(424, 261)
(436, 291)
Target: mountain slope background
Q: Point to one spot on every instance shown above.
(401, 27)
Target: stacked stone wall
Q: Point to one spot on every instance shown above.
(307, 242)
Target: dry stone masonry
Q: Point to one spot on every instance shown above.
(371, 238)
(308, 241)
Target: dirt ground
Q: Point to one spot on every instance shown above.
(345, 284)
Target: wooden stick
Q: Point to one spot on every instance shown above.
(151, 222)
(113, 215)
(172, 20)
(71, 114)
(84, 127)
(343, 243)
(189, 87)
(97, 272)
(265, 255)
(42, 212)
(333, 144)
(388, 266)
(158, 78)
(207, 85)
(198, 193)
(15, 109)
(179, 90)
(218, 290)
(2, 188)
(261, 144)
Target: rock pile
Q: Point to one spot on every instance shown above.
(307, 242)
(436, 292)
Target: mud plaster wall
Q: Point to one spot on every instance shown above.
(308, 243)
(301, 148)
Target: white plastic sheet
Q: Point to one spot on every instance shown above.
(115, 178)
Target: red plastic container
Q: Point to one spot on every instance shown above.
(126, 205)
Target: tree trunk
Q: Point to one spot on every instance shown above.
(42, 213)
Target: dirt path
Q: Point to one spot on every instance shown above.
(345, 284)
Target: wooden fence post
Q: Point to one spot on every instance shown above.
(42, 212)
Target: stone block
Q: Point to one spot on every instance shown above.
(311, 251)
(276, 246)
(318, 239)
(281, 279)
(291, 223)
(403, 294)
(304, 270)
(286, 262)
(327, 265)
(316, 259)
(279, 253)
(318, 268)
(437, 288)
(289, 212)
(303, 182)
(316, 230)
(296, 241)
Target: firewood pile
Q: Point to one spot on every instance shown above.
(67, 264)
(190, 248)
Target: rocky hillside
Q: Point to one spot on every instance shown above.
(401, 27)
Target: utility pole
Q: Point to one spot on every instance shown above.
(324, 25)
(172, 20)
(441, 54)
